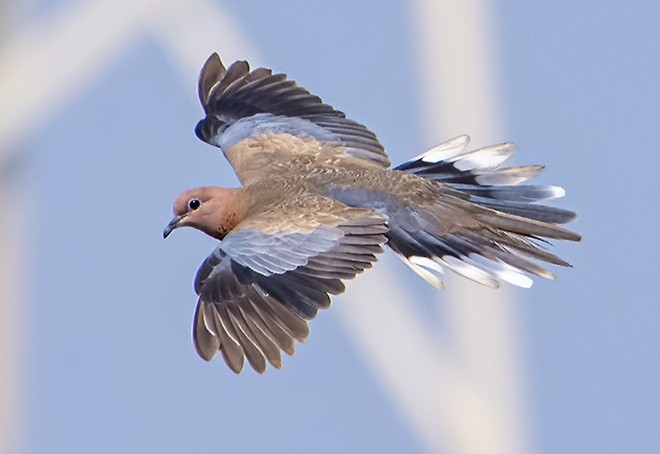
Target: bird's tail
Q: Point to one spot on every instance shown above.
(498, 231)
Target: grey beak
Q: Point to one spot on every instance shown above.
(174, 223)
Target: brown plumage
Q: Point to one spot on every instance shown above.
(318, 202)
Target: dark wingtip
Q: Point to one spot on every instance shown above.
(199, 130)
(212, 72)
(209, 127)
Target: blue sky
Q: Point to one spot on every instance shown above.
(109, 364)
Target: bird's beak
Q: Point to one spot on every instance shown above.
(174, 223)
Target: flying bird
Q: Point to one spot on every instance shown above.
(319, 202)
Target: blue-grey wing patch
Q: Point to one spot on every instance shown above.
(275, 254)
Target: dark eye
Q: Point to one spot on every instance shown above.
(194, 204)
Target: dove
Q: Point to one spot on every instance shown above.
(318, 202)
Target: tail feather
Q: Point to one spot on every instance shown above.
(524, 193)
(552, 215)
(507, 231)
(526, 226)
(452, 155)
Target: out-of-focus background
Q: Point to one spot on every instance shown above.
(97, 109)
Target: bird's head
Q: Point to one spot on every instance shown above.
(214, 211)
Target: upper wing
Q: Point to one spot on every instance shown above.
(270, 275)
(244, 106)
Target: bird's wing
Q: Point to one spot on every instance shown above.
(245, 110)
(272, 274)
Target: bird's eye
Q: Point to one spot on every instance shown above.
(193, 204)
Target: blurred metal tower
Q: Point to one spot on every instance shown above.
(28, 98)
(463, 398)
(465, 395)
(10, 265)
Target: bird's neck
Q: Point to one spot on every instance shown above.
(230, 213)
